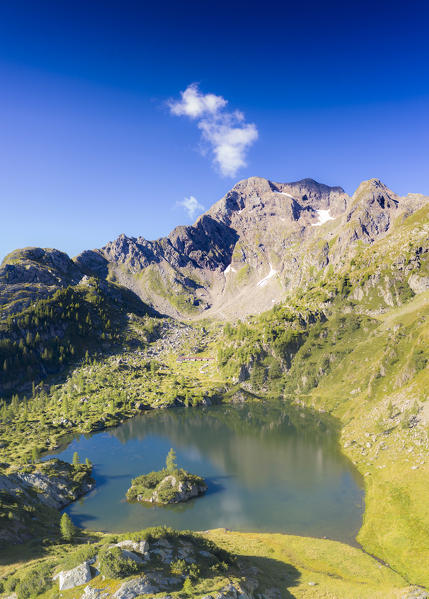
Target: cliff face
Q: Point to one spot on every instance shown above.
(260, 242)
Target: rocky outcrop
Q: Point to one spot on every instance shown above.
(135, 587)
(55, 492)
(184, 490)
(34, 273)
(162, 488)
(139, 546)
(419, 283)
(58, 488)
(51, 486)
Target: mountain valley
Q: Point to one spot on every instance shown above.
(291, 291)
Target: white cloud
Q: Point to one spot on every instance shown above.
(227, 133)
(191, 205)
(195, 104)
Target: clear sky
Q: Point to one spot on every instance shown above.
(97, 140)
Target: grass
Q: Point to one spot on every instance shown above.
(338, 571)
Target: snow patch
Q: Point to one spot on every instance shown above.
(228, 269)
(265, 280)
(324, 216)
(283, 193)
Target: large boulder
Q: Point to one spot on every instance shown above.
(134, 588)
(93, 593)
(185, 489)
(74, 578)
(139, 546)
(233, 592)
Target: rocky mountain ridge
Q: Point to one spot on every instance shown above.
(260, 242)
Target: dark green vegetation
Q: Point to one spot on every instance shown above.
(49, 335)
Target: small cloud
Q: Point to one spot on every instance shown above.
(227, 134)
(194, 104)
(191, 205)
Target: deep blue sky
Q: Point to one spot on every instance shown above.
(339, 91)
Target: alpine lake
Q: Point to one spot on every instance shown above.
(268, 467)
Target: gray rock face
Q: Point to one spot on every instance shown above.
(134, 588)
(132, 556)
(259, 241)
(91, 592)
(418, 283)
(74, 578)
(416, 593)
(55, 492)
(233, 592)
(139, 546)
(185, 490)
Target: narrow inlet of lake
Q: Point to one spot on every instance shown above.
(269, 468)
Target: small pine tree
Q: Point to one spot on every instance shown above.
(35, 455)
(68, 529)
(187, 586)
(88, 463)
(76, 460)
(170, 461)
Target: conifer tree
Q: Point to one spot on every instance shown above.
(35, 455)
(170, 461)
(68, 529)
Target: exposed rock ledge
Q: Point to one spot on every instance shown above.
(52, 484)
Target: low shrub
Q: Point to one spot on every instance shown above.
(114, 565)
(35, 582)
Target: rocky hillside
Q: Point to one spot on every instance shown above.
(31, 495)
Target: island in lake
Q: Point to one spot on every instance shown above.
(169, 485)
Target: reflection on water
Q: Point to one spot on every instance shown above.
(268, 468)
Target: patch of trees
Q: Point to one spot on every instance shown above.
(49, 334)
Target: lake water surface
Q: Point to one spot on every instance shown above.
(269, 468)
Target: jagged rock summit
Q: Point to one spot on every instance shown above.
(253, 247)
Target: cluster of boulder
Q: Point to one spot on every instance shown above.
(155, 577)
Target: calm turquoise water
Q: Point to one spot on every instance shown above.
(268, 469)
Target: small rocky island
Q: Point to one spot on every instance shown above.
(169, 485)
